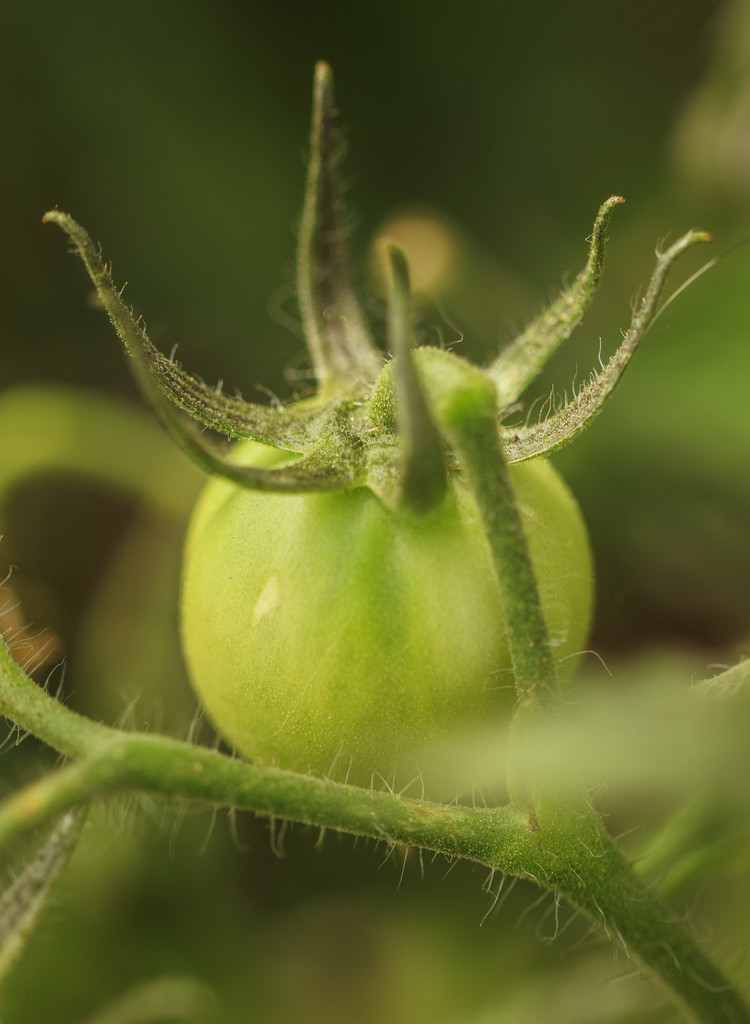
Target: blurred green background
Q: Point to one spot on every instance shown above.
(176, 133)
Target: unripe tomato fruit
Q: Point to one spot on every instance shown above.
(327, 633)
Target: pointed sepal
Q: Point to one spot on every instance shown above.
(563, 426)
(309, 473)
(339, 341)
(294, 428)
(518, 364)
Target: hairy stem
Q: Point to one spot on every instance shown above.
(466, 410)
(463, 400)
(32, 709)
(567, 852)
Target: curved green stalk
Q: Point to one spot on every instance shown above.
(567, 851)
(32, 709)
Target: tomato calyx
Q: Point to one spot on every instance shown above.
(371, 422)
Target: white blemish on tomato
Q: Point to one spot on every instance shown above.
(269, 598)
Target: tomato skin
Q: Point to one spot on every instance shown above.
(327, 633)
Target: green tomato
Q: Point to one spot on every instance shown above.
(327, 633)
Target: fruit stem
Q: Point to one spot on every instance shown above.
(463, 401)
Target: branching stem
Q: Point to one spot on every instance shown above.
(567, 852)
